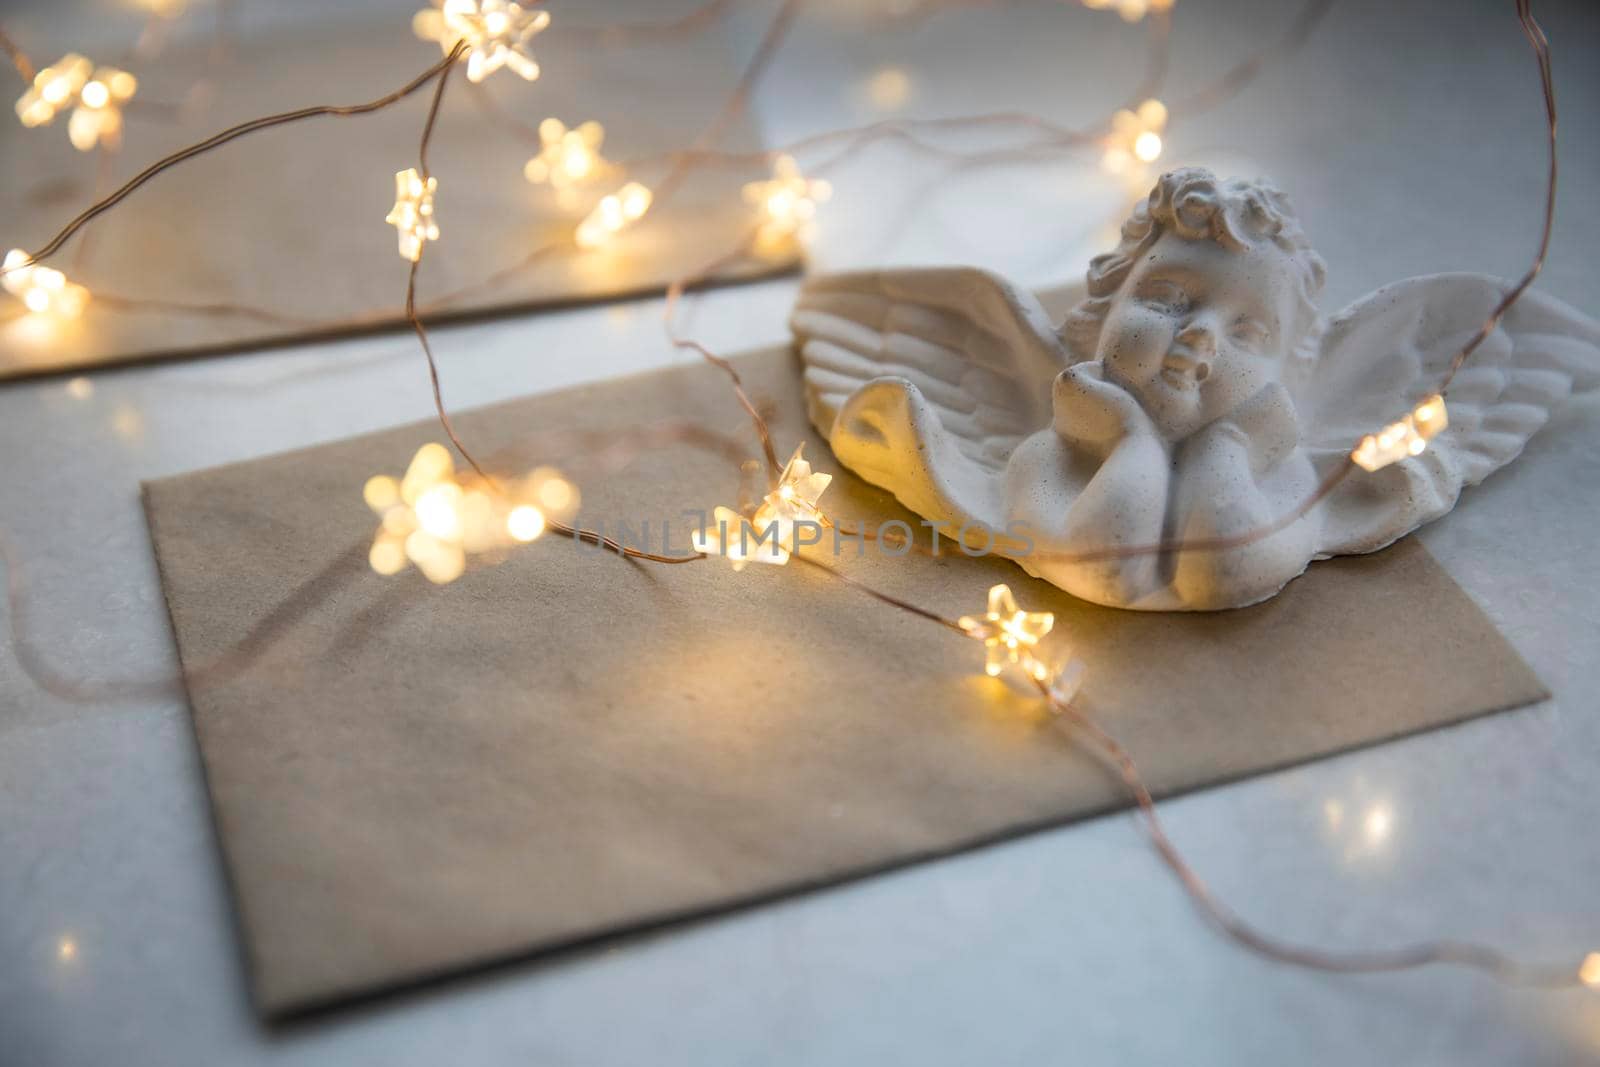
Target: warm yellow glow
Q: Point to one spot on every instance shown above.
(889, 89)
(381, 492)
(95, 96)
(567, 158)
(412, 214)
(435, 517)
(1135, 135)
(438, 511)
(1403, 439)
(42, 290)
(1589, 971)
(1009, 635)
(496, 31)
(80, 388)
(732, 536)
(613, 214)
(53, 88)
(1131, 10)
(1333, 811)
(525, 523)
(1379, 824)
(554, 493)
(792, 501)
(66, 950)
(387, 557)
(788, 203)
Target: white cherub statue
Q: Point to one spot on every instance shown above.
(1195, 394)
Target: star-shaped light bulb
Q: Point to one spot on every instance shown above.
(434, 517)
(613, 214)
(735, 538)
(567, 157)
(1135, 137)
(412, 214)
(98, 117)
(96, 96)
(788, 204)
(42, 290)
(1404, 439)
(496, 31)
(1009, 636)
(793, 500)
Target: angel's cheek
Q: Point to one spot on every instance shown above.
(1134, 341)
(1234, 378)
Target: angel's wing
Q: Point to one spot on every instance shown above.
(925, 380)
(1390, 349)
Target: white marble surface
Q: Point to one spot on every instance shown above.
(1411, 145)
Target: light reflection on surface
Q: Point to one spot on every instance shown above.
(67, 949)
(1362, 822)
(889, 88)
(128, 423)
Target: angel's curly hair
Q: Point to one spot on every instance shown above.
(1192, 202)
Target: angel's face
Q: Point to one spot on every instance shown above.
(1197, 329)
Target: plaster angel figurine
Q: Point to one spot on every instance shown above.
(1194, 394)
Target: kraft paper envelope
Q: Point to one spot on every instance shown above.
(280, 236)
(411, 780)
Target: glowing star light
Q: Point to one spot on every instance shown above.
(1009, 635)
(96, 97)
(1132, 10)
(412, 214)
(496, 31)
(733, 536)
(42, 290)
(434, 518)
(567, 158)
(788, 202)
(613, 214)
(793, 501)
(1403, 439)
(1135, 136)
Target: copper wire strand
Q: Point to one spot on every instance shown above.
(1473, 956)
(18, 58)
(1541, 50)
(674, 296)
(700, 18)
(233, 133)
(1470, 955)
(421, 331)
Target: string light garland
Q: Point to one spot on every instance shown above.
(95, 95)
(442, 505)
(42, 290)
(793, 500)
(434, 517)
(788, 204)
(1135, 136)
(412, 214)
(614, 213)
(495, 32)
(567, 157)
(1009, 635)
(1403, 439)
